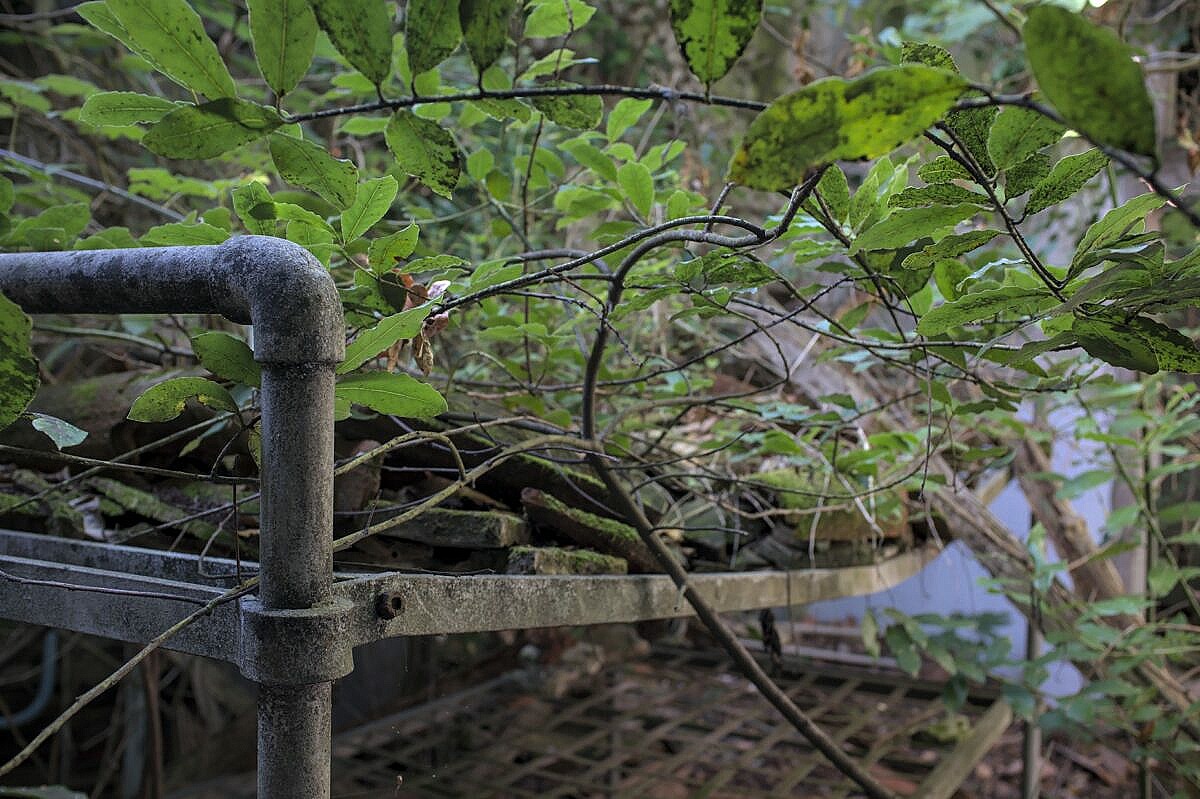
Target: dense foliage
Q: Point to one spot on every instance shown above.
(854, 285)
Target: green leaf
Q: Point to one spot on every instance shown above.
(1020, 178)
(7, 195)
(284, 33)
(942, 169)
(207, 130)
(870, 634)
(1085, 481)
(485, 29)
(384, 251)
(372, 201)
(1115, 343)
(385, 333)
(1018, 133)
(835, 119)
(361, 30)
(124, 108)
(395, 394)
(549, 18)
(290, 212)
(425, 150)
(18, 367)
(24, 94)
(981, 305)
(1067, 177)
(113, 238)
(245, 199)
(638, 185)
(164, 401)
(70, 218)
(174, 234)
(970, 125)
(1175, 351)
(1162, 578)
(712, 34)
(62, 433)
(98, 15)
(937, 194)
(929, 54)
(725, 268)
(1088, 74)
(625, 115)
(835, 191)
(227, 357)
(317, 239)
(577, 111)
(592, 157)
(1115, 224)
(173, 36)
(909, 224)
(308, 165)
(952, 246)
(432, 32)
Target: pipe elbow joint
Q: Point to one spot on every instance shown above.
(292, 301)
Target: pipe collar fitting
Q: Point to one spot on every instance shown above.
(295, 647)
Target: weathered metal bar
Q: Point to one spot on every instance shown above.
(379, 606)
(185, 568)
(298, 339)
(394, 604)
(136, 619)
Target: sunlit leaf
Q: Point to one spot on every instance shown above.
(909, 224)
(638, 185)
(834, 119)
(549, 18)
(1018, 133)
(432, 32)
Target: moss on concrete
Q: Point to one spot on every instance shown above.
(557, 560)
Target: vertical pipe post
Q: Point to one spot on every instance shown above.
(294, 724)
(293, 304)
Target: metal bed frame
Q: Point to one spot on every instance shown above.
(298, 634)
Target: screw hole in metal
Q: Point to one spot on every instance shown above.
(389, 605)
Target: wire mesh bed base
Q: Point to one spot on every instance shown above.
(679, 723)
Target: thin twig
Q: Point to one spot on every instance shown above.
(108, 682)
(91, 183)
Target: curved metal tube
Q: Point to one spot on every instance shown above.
(283, 291)
(277, 286)
(45, 689)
